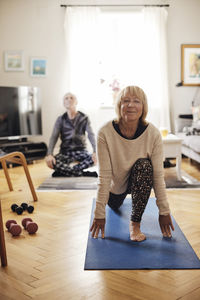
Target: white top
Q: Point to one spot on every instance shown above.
(116, 156)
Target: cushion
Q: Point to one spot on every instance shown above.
(193, 142)
(193, 130)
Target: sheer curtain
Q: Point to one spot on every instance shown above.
(82, 53)
(156, 77)
(127, 46)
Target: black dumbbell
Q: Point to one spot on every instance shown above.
(30, 209)
(27, 207)
(13, 207)
(18, 209)
(24, 206)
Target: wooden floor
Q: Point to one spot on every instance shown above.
(49, 265)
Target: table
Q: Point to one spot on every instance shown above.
(172, 149)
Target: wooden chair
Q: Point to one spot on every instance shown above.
(18, 158)
(2, 242)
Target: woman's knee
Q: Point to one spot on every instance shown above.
(143, 165)
(141, 175)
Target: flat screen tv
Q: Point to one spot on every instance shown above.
(20, 112)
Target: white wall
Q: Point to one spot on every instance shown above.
(183, 28)
(36, 27)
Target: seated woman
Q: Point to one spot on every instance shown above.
(130, 158)
(73, 157)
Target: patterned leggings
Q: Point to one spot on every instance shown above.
(63, 162)
(140, 185)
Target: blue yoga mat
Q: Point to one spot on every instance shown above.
(118, 252)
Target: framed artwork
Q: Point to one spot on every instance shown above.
(38, 67)
(190, 65)
(14, 61)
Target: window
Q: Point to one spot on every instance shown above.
(109, 49)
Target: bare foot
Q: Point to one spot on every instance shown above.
(135, 232)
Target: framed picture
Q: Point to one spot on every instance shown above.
(38, 67)
(14, 61)
(190, 65)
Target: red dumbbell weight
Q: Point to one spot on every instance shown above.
(13, 227)
(29, 225)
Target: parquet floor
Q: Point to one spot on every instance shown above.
(49, 265)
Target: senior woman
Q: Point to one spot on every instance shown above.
(71, 128)
(130, 158)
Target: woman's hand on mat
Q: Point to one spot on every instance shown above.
(50, 160)
(98, 225)
(165, 224)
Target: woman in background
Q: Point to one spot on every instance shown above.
(73, 157)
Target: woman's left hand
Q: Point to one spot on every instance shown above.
(165, 224)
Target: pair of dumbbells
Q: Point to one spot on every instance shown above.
(16, 229)
(24, 206)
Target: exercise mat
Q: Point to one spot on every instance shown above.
(68, 183)
(90, 183)
(118, 252)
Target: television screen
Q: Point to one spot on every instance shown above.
(20, 111)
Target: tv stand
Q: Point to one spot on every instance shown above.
(13, 140)
(18, 139)
(32, 151)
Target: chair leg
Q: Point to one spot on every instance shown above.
(7, 175)
(28, 177)
(2, 242)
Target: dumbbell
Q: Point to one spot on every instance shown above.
(18, 209)
(13, 227)
(24, 206)
(29, 225)
(27, 207)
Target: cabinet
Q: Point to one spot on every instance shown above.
(32, 151)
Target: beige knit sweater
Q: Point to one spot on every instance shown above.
(116, 156)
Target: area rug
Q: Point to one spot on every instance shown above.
(90, 183)
(186, 182)
(68, 183)
(118, 252)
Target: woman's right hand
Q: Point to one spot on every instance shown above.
(97, 225)
(50, 161)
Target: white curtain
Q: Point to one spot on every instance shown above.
(127, 46)
(156, 75)
(81, 27)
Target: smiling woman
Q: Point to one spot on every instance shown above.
(130, 156)
(131, 111)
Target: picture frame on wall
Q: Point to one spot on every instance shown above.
(38, 67)
(190, 64)
(14, 61)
